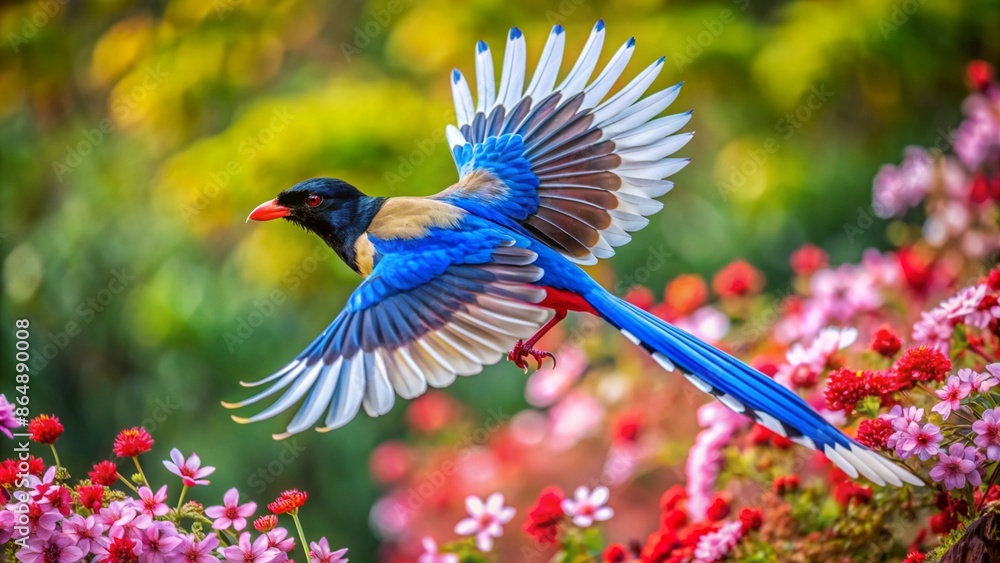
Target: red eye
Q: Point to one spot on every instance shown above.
(313, 200)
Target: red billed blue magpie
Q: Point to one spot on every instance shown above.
(551, 176)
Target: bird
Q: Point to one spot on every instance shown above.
(552, 175)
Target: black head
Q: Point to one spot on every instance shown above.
(333, 209)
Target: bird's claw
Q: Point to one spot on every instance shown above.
(521, 352)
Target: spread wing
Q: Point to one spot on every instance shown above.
(578, 169)
(433, 308)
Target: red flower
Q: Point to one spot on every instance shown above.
(847, 492)
(641, 297)
(979, 74)
(920, 364)
(132, 442)
(847, 387)
(35, 466)
(265, 523)
(432, 411)
(544, 518)
(672, 497)
(718, 510)
(885, 342)
(992, 495)
(914, 557)
(752, 519)
(786, 483)
(45, 429)
(121, 550)
(288, 501)
(875, 432)
(917, 268)
(390, 461)
(943, 523)
(803, 377)
(993, 279)
(737, 279)
(807, 259)
(104, 473)
(685, 294)
(615, 553)
(659, 546)
(91, 497)
(626, 427)
(673, 519)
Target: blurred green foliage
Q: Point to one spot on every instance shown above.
(136, 136)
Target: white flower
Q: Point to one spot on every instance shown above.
(587, 507)
(485, 520)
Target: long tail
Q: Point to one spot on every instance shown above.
(745, 390)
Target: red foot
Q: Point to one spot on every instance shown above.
(521, 352)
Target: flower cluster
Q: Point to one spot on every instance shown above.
(49, 518)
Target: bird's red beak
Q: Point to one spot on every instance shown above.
(269, 210)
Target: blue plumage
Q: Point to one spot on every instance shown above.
(550, 177)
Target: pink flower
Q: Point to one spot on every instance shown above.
(191, 551)
(896, 189)
(232, 513)
(963, 303)
(190, 470)
(485, 520)
(978, 382)
(707, 323)
(705, 456)
(320, 553)
(7, 521)
(956, 467)
(916, 440)
(979, 135)
(7, 419)
(988, 433)
(431, 555)
(159, 542)
(547, 386)
(120, 516)
(901, 417)
(278, 539)
(154, 504)
(85, 532)
(56, 548)
(714, 546)
(247, 552)
(933, 330)
(951, 396)
(588, 506)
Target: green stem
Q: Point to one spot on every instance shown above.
(127, 484)
(180, 501)
(55, 455)
(139, 467)
(302, 535)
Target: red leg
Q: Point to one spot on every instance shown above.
(523, 348)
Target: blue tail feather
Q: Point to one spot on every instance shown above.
(745, 389)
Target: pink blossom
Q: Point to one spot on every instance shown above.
(705, 457)
(232, 513)
(279, 539)
(547, 386)
(485, 520)
(951, 395)
(901, 417)
(587, 507)
(7, 419)
(963, 303)
(192, 551)
(916, 440)
(979, 135)
(250, 552)
(956, 467)
(190, 470)
(714, 546)
(7, 520)
(121, 518)
(933, 329)
(896, 189)
(320, 553)
(988, 433)
(154, 504)
(56, 548)
(819, 352)
(576, 416)
(978, 382)
(707, 323)
(159, 542)
(845, 291)
(85, 532)
(431, 554)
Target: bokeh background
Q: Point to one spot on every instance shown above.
(136, 136)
